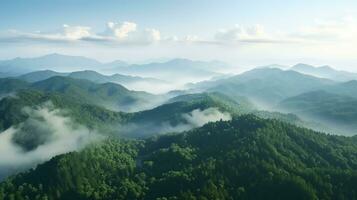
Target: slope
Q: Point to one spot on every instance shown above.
(338, 112)
(265, 86)
(325, 72)
(246, 158)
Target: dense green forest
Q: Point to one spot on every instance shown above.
(245, 158)
(248, 154)
(109, 95)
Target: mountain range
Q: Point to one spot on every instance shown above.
(51, 61)
(110, 95)
(267, 133)
(245, 158)
(57, 62)
(325, 72)
(265, 86)
(131, 82)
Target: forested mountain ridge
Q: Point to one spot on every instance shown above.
(335, 111)
(211, 141)
(109, 122)
(246, 158)
(265, 86)
(110, 95)
(87, 75)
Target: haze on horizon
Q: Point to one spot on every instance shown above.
(241, 33)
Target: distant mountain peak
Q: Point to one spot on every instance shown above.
(308, 66)
(324, 71)
(302, 65)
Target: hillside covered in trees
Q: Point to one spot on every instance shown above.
(245, 158)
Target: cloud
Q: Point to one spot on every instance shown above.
(251, 34)
(76, 32)
(46, 133)
(11, 94)
(120, 30)
(343, 29)
(321, 31)
(238, 33)
(198, 117)
(116, 33)
(195, 118)
(129, 33)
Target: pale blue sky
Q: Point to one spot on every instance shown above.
(171, 16)
(200, 20)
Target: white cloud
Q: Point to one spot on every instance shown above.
(66, 34)
(321, 31)
(199, 117)
(191, 38)
(344, 29)
(76, 32)
(146, 36)
(129, 33)
(56, 133)
(254, 34)
(117, 33)
(120, 30)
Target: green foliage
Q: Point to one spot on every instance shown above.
(246, 158)
(109, 95)
(11, 110)
(9, 85)
(235, 105)
(333, 110)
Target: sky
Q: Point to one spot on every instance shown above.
(243, 33)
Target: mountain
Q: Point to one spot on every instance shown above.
(246, 158)
(176, 114)
(238, 105)
(325, 72)
(338, 112)
(110, 95)
(148, 84)
(282, 67)
(160, 77)
(92, 116)
(182, 113)
(115, 78)
(131, 82)
(348, 88)
(71, 95)
(264, 86)
(11, 85)
(241, 105)
(54, 61)
(111, 66)
(40, 75)
(181, 70)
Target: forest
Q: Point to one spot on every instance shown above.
(245, 158)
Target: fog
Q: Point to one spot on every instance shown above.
(195, 118)
(11, 94)
(52, 134)
(155, 88)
